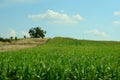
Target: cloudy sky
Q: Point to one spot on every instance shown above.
(81, 19)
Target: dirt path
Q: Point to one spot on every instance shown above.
(21, 44)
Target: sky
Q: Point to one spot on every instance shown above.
(80, 19)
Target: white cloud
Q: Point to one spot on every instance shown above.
(55, 17)
(116, 22)
(97, 33)
(77, 17)
(117, 13)
(25, 34)
(11, 33)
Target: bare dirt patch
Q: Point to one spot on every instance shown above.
(21, 44)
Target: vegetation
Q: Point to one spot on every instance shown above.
(63, 59)
(25, 37)
(21, 44)
(5, 40)
(8, 39)
(37, 32)
(11, 38)
(16, 38)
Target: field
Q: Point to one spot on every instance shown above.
(21, 44)
(63, 59)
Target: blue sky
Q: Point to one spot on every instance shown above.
(81, 19)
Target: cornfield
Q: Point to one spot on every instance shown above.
(63, 59)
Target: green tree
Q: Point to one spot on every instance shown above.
(11, 38)
(25, 37)
(37, 32)
(16, 38)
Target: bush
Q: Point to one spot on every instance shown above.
(25, 37)
(11, 37)
(5, 40)
(1, 39)
(16, 38)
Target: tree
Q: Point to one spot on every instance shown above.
(11, 38)
(37, 32)
(25, 37)
(16, 38)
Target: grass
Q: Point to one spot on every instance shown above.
(63, 59)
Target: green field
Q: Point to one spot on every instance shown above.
(63, 59)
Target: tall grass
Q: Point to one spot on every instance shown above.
(63, 59)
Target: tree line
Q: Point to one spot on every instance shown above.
(35, 32)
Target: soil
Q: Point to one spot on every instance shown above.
(21, 44)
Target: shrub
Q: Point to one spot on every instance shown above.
(16, 38)
(11, 37)
(25, 37)
(1, 39)
(5, 40)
